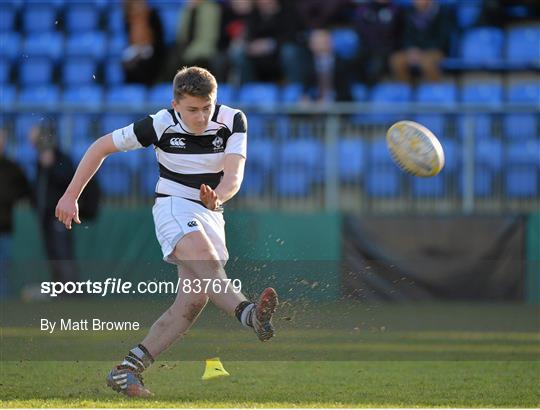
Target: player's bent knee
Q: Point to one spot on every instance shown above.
(195, 307)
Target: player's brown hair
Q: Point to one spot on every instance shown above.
(194, 81)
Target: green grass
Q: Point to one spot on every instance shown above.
(281, 384)
(325, 355)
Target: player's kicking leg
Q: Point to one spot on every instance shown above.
(126, 378)
(200, 257)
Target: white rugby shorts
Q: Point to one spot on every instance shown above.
(175, 217)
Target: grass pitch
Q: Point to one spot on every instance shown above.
(334, 355)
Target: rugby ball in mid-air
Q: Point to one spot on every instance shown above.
(415, 149)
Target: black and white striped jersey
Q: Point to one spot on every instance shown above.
(187, 160)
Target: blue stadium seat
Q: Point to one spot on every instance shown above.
(127, 95)
(8, 16)
(115, 179)
(352, 159)
(305, 153)
(79, 71)
(111, 122)
(485, 93)
(483, 181)
(291, 93)
(522, 46)
(378, 154)
(345, 42)
(359, 92)
(436, 93)
(81, 17)
(523, 169)
(116, 46)
(44, 44)
(482, 125)
(8, 95)
(488, 152)
(115, 20)
(293, 181)
(87, 96)
(46, 95)
(260, 162)
(525, 153)
(521, 126)
(77, 150)
(25, 122)
(26, 157)
(521, 182)
(114, 73)
(254, 182)
(169, 13)
(39, 17)
(261, 153)
(482, 46)
(452, 154)
(383, 182)
(77, 129)
(161, 94)
(5, 72)
(226, 94)
(434, 122)
(524, 92)
(263, 94)
(11, 45)
(89, 44)
(467, 14)
(388, 94)
(149, 174)
(428, 187)
(391, 93)
(35, 71)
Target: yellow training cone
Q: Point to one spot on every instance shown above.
(214, 368)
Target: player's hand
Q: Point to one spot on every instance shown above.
(67, 210)
(209, 197)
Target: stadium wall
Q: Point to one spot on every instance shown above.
(304, 255)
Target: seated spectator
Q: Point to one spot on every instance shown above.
(197, 36)
(379, 24)
(426, 39)
(142, 58)
(323, 14)
(497, 12)
(273, 50)
(234, 14)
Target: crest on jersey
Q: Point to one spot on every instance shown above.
(218, 143)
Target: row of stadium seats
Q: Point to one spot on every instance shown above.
(72, 128)
(482, 47)
(294, 168)
(491, 93)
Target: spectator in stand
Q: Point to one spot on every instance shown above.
(197, 36)
(15, 187)
(323, 14)
(379, 24)
(234, 14)
(497, 12)
(273, 50)
(54, 172)
(142, 58)
(426, 40)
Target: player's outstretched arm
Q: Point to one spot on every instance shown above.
(233, 173)
(67, 209)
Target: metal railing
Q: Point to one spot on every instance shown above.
(313, 157)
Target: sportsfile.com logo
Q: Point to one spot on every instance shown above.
(178, 142)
